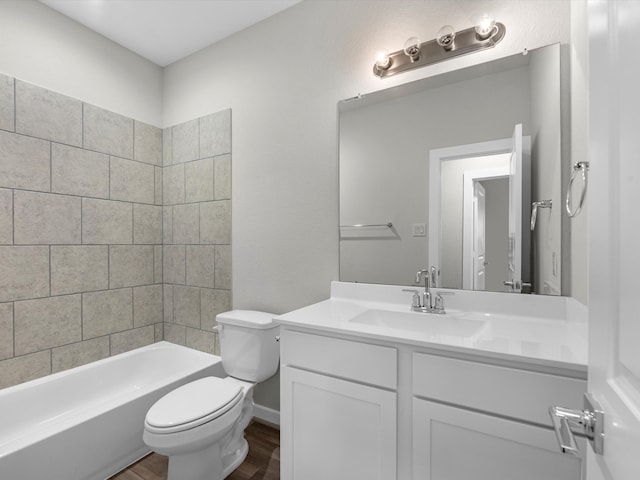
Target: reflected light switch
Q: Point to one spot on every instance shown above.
(419, 229)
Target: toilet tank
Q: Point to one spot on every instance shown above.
(248, 344)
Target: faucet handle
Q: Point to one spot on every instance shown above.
(439, 305)
(415, 301)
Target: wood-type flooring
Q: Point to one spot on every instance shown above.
(262, 462)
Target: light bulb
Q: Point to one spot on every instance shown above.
(446, 36)
(383, 61)
(412, 48)
(485, 26)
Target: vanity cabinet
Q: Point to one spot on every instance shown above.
(354, 409)
(338, 404)
(480, 421)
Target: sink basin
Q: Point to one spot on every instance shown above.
(429, 324)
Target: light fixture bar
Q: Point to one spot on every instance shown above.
(465, 42)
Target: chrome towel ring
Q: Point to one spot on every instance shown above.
(577, 168)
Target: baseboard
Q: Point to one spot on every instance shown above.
(266, 414)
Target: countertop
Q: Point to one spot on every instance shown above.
(541, 333)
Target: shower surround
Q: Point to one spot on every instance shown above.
(114, 234)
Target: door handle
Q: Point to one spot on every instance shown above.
(589, 422)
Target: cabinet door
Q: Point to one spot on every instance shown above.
(455, 444)
(335, 429)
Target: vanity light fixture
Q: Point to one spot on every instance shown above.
(448, 44)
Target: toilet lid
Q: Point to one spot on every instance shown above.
(200, 399)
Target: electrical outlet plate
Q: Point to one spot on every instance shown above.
(419, 229)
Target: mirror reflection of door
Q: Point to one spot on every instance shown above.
(479, 233)
(496, 259)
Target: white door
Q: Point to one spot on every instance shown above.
(479, 259)
(515, 211)
(614, 234)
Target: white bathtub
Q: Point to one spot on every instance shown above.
(86, 423)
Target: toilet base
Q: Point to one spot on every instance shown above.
(232, 461)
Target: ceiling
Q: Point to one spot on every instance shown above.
(164, 31)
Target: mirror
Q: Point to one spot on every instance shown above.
(418, 160)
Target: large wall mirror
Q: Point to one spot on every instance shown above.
(444, 171)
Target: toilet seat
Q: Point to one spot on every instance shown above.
(192, 405)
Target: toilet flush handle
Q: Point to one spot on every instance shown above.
(218, 328)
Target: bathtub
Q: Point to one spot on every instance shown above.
(86, 423)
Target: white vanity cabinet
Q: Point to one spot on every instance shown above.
(338, 405)
(487, 422)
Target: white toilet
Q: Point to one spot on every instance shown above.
(200, 426)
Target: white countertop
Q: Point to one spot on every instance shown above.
(528, 329)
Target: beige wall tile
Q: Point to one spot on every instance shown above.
(22, 369)
(147, 143)
(106, 312)
(158, 332)
(199, 180)
(186, 306)
(158, 187)
(167, 146)
(80, 353)
(7, 103)
(200, 340)
(132, 181)
(6, 216)
(186, 224)
(215, 134)
(175, 333)
(107, 132)
(200, 265)
(106, 221)
(25, 162)
(47, 322)
(147, 305)
(48, 115)
(215, 222)
(147, 224)
(173, 270)
(80, 268)
(157, 264)
(6, 330)
(167, 225)
(79, 172)
(25, 272)
(222, 177)
(44, 218)
(130, 265)
(173, 184)
(213, 302)
(132, 339)
(167, 302)
(186, 142)
(223, 266)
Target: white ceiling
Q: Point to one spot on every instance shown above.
(165, 31)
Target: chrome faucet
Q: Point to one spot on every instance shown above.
(429, 304)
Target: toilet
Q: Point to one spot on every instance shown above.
(200, 426)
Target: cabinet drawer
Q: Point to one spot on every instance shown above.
(362, 362)
(504, 391)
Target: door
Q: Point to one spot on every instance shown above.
(614, 234)
(479, 258)
(514, 280)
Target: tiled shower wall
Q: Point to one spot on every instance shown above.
(81, 231)
(197, 229)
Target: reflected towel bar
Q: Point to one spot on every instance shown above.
(371, 225)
